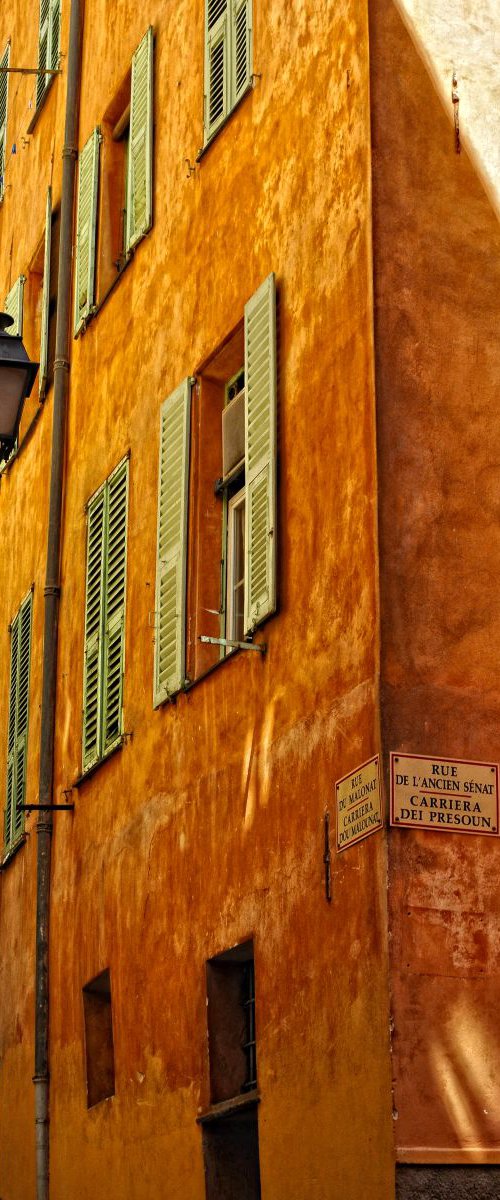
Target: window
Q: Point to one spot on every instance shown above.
(105, 617)
(230, 1128)
(17, 738)
(99, 1046)
(218, 450)
(48, 45)
(4, 93)
(228, 58)
(123, 196)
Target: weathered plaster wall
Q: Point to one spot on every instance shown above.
(437, 288)
(208, 825)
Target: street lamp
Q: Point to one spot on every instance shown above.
(17, 376)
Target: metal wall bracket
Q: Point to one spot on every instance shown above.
(260, 647)
(45, 807)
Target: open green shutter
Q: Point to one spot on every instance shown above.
(140, 163)
(22, 713)
(11, 735)
(92, 672)
(4, 92)
(114, 604)
(241, 42)
(170, 623)
(260, 454)
(14, 303)
(17, 738)
(88, 182)
(48, 44)
(217, 72)
(44, 320)
(43, 49)
(55, 35)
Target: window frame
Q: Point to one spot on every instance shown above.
(44, 82)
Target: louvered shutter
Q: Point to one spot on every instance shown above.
(88, 181)
(14, 304)
(260, 454)
(114, 604)
(55, 35)
(217, 73)
(11, 735)
(92, 673)
(17, 738)
(22, 713)
(140, 161)
(4, 92)
(170, 622)
(48, 44)
(43, 49)
(44, 321)
(241, 47)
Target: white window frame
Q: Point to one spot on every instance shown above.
(235, 504)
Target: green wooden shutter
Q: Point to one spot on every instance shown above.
(140, 160)
(44, 321)
(88, 182)
(43, 50)
(11, 736)
(170, 623)
(48, 44)
(241, 43)
(260, 454)
(4, 92)
(22, 713)
(14, 304)
(114, 604)
(92, 673)
(55, 35)
(217, 73)
(17, 739)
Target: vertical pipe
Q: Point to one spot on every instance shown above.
(51, 597)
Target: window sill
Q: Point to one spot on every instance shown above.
(118, 745)
(227, 1108)
(41, 106)
(12, 851)
(213, 137)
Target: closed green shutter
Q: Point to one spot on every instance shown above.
(17, 738)
(217, 73)
(48, 44)
(4, 92)
(170, 607)
(241, 46)
(14, 304)
(114, 604)
(88, 182)
(140, 162)
(44, 320)
(260, 454)
(92, 671)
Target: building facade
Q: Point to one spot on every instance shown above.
(262, 379)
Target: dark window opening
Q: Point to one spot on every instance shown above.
(231, 1157)
(231, 1023)
(99, 1048)
(230, 1125)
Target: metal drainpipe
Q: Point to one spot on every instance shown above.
(51, 596)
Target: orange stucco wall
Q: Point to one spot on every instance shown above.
(437, 287)
(207, 826)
